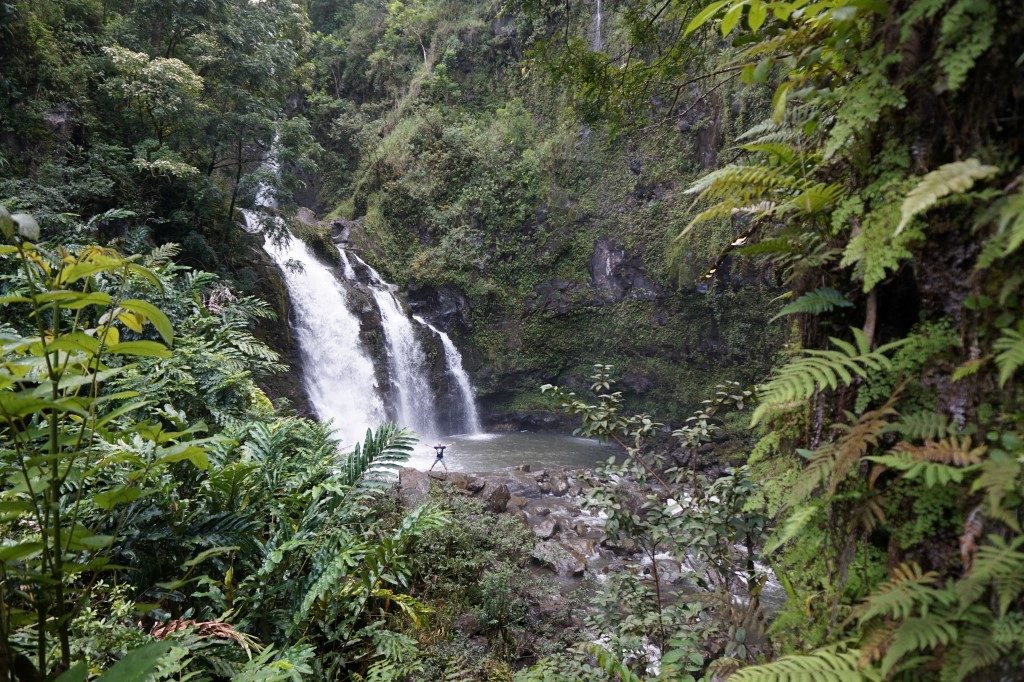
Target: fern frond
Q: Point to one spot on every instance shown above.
(794, 524)
(908, 589)
(975, 651)
(918, 634)
(930, 473)
(998, 475)
(816, 370)
(925, 425)
(999, 564)
(372, 464)
(1009, 348)
(954, 451)
(951, 178)
(856, 440)
(821, 300)
(823, 665)
(459, 669)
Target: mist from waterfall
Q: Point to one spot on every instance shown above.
(453, 359)
(338, 374)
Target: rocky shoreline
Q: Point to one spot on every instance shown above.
(570, 541)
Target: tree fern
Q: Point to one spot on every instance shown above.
(821, 300)
(815, 370)
(951, 178)
(824, 665)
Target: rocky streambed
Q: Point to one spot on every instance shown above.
(569, 540)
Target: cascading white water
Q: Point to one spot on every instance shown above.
(454, 361)
(595, 30)
(338, 374)
(406, 358)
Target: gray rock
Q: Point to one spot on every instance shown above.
(562, 561)
(413, 487)
(525, 468)
(475, 485)
(495, 496)
(545, 528)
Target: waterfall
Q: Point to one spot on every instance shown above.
(338, 373)
(595, 31)
(406, 358)
(453, 359)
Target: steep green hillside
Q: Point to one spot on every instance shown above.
(545, 243)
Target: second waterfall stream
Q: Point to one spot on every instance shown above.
(340, 376)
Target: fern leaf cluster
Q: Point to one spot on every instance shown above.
(814, 370)
(952, 178)
(821, 300)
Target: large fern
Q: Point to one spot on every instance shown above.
(951, 178)
(815, 370)
(832, 664)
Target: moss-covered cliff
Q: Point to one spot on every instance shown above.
(542, 245)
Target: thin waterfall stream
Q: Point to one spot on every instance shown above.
(407, 360)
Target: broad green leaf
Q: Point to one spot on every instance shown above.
(146, 349)
(207, 554)
(122, 494)
(137, 664)
(757, 15)
(76, 673)
(705, 14)
(155, 316)
(21, 550)
(732, 18)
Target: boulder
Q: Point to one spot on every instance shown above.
(561, 560)
(545, 528)
(515, 502)
(460, 481)
(495, 496)
(475, 485)
(413, 487)
(583, 546)
(468, 624)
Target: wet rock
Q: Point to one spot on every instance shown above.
(558, 558)
(413, 487)
(515, 502)
(475, 485)
(525, 468)
(542, 511)
(585, 547)
(617, 276)
(495, 496)
(558, 484)
(545, 528)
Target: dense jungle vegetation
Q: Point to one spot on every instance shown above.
(814, 210)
